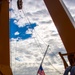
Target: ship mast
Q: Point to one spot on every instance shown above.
(4, 38)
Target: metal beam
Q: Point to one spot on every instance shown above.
(63, 24)
(4, 39)
(4, 34)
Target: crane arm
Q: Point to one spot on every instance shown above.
(63, 24)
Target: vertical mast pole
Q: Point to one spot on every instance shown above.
(4, 38)
(4, 33)
(44, 55)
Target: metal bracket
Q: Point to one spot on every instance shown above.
(64, 61)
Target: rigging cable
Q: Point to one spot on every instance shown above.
(50, 62)
(30, 23)
(44, 42)
(13, 53)
(26, 17)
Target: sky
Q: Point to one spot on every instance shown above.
(31, 31)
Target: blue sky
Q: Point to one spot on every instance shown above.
(20, 30)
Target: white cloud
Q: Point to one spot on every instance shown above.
(17, 33)
(29, 31)
(27, 54)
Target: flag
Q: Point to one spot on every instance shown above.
(41, 71)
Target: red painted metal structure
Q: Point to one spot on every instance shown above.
(63, 24)
(4, 39)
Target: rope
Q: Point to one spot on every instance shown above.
(51, 63)
(38, 40)
(43, 41)
(26, 17)
(54, 67)
(39, 36)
